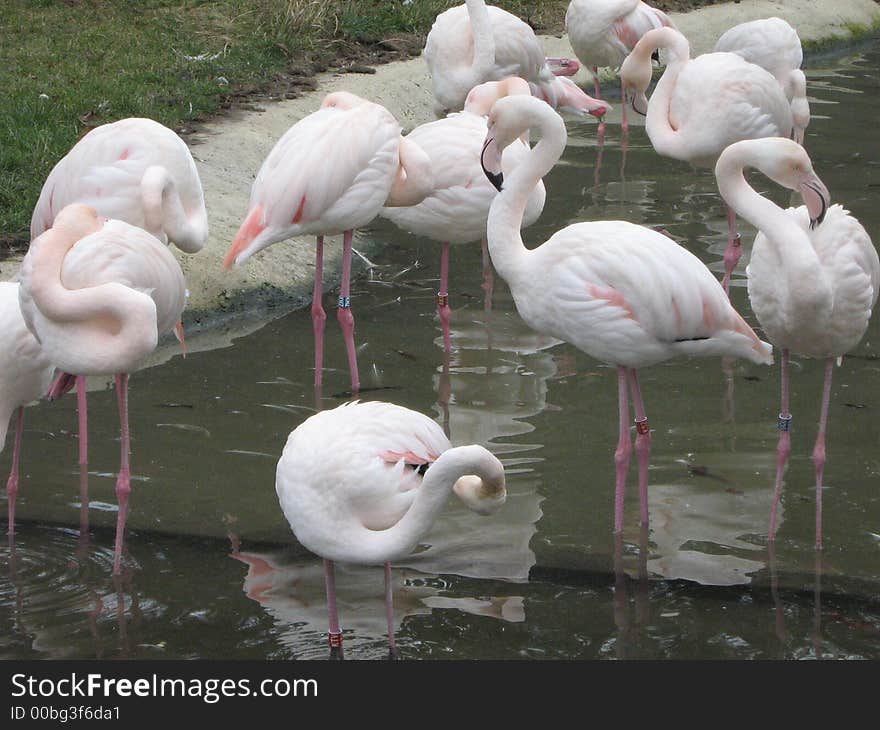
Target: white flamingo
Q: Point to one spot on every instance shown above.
(702, 105)
(813, 276)
(622, 293)
(364, 482)
(97, 294)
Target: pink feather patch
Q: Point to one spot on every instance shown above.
(613, 297)
(392, 457)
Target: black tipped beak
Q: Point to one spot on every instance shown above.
(825, 202)
(655, 56)
(496, 178)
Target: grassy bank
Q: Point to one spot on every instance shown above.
(69, 65)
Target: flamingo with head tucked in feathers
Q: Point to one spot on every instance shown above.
(330, 173)
(702, 105)
(622, 293)
(97, 294)
(364, 482)
(813, 276)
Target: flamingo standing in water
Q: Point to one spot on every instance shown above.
(457, 208)
(25, 373)
(813, 277)
(134, 170)
(472, 43)
(330, 173)
(622, 293)
(774, 45)
(603, 32)
(364, 482)
(97, 294)
(702, 105)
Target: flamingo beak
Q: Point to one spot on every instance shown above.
(816, 198)
(639, 103)
(252, 227)
(490, 160)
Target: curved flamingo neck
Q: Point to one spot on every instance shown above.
(165, 216)
(484, 40)
(665, 139)
(504, 224)
(414, 179)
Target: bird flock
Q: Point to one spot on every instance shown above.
(364, 482)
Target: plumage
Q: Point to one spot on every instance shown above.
(134, 170)
(349, 485)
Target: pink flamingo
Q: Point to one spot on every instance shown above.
(457, 208)
(330, 173)
(97, 294)
(134, 170)
(25, 373)
(702, 105)
(774, 45)
(622, 293)
(603, 32)
(813, 277)
(364, 482)
(472, 43)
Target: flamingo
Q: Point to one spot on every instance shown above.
(774, 45)
(134, 170)
(363, 483)
(458, 206)
(702, 105)
(813, 277)
(621, 293)
(97, 294)
(472, 43)
(330, 173)
(603, 32)
(25, 374)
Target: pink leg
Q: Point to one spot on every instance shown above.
(624, 451)
(734, 249)
(819, 449)
(12, 483)
(624, 121)
(83, 542)
(123, 481)
(643, 444)
(443, 310)
(783, 448)
(344, 314)
(488, 277)
(597, 95)
(319, 317)
(335, 634)
(393, 653)
(82, 412)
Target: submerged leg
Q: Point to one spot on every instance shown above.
(624, 123)
(643, 444)
(488, 277)
(597, 95)
(393, 653)
(344, 313)
(319, 316)
(82, 412)
(734, 248)
(335, 634)
(443, 310)
(624, 450)
(12, 482)
(783, 448)
(819, 448)
(123, 481)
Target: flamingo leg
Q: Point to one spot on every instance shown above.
(12, 482)
(344, 313)
(623, 453)
(82, 413)
(443, 310)
(783, 448)
(83, 542)
(335, 633)
(123, 481)
(733, 252)
(488, 277)
(393, 652)
(819, 448)
(781, 632)
(319, 316)
(643, 444)
(624, 124)
(596, 94)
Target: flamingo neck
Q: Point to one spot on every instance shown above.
(164, 213)
(414, 179)
(484, 41)
(664, 137)
(503, 228)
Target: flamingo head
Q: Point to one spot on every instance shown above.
(635, 77)
(78, 220)
(342, 100)
(481, 98)
(485, 497)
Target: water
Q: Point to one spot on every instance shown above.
(538, 579)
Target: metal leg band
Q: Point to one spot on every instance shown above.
(442, 300)
(642, 427)
(335, 641)
(345, 302)
(784, 422)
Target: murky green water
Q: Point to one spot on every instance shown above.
(536, 580)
